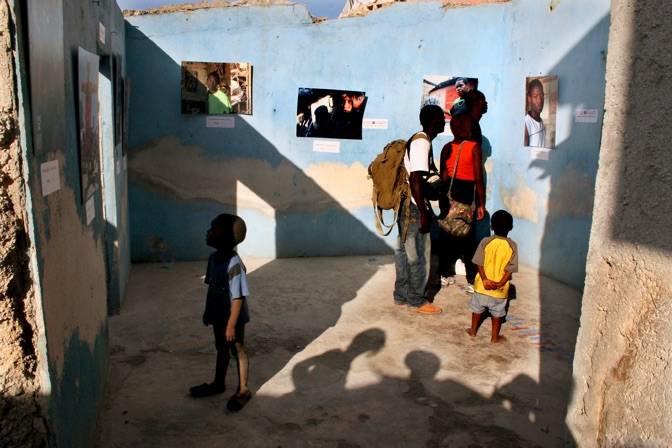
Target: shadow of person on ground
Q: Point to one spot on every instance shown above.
(376, 409)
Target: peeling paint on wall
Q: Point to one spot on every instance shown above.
(521, 201)
(573, 194)
(83, 292)
(554, 4)
(185, 172)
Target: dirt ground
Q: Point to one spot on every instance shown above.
(335, 363)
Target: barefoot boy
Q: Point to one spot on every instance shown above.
(226, 308)
(496, 258)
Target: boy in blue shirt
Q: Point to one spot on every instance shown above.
(226, 308)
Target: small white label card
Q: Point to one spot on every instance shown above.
(51, 177)
(375, 123)
(101, 33)
(585, 115)
(540, 153)
(220, 122)
(90, 210)
(327, 146)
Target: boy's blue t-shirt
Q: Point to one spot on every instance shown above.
(227, 281)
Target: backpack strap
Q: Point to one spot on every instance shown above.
(430, 162)
(405, 197)
(452, 178)
(380, 221)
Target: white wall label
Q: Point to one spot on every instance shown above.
(585, 115)
(374, 123)
(90, 210)
(540, 153)
(51, 178)
(220, 122)
(101, 33)
(327, 146)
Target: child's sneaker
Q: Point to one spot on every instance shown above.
(447, 281)
(238, 401)
(469, 289)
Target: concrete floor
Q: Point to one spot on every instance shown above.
(334, 363)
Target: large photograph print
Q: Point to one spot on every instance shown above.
(329, 113)
(88, 122)
(541, 104)
(216, 88)
(447, 92)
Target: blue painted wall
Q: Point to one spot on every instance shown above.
(182, 174)
(76, 276)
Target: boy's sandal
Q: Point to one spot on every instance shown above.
(205, 390)
(237, 401)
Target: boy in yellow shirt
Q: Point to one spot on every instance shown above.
(496, 258)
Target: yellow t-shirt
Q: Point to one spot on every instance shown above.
(496, 254)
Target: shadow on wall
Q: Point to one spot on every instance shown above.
(178, 184)
(180, 180)
(571, 170)
(643, 204)
(14, 431)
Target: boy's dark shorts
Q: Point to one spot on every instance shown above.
(220, 335)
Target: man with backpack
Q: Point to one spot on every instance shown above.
(412, 257)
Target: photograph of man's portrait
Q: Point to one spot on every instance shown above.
(447, 92)
(216, 88)
(541, 103)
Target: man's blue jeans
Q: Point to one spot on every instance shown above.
(411, 262)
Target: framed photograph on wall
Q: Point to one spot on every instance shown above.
(126, 98)
(216, 88)
(541, 105)
(89, 135)
(118, 95)
(329, 113)
(446, 92)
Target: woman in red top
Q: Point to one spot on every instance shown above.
(468, 187)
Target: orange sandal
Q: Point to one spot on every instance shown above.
(428, 308)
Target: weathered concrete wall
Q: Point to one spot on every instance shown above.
(623, 393)
(299, 202)
(72, 268)
(20, 405)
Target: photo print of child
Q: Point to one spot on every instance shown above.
(446, 91)
(89, 150)
(541, 103)
(328, 113)
(216, 88)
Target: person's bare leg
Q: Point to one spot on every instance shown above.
(475, 323)
(243, 364)
(496, 326)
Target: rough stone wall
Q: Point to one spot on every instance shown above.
(362, 7)
(22, 423)
(623, 393)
